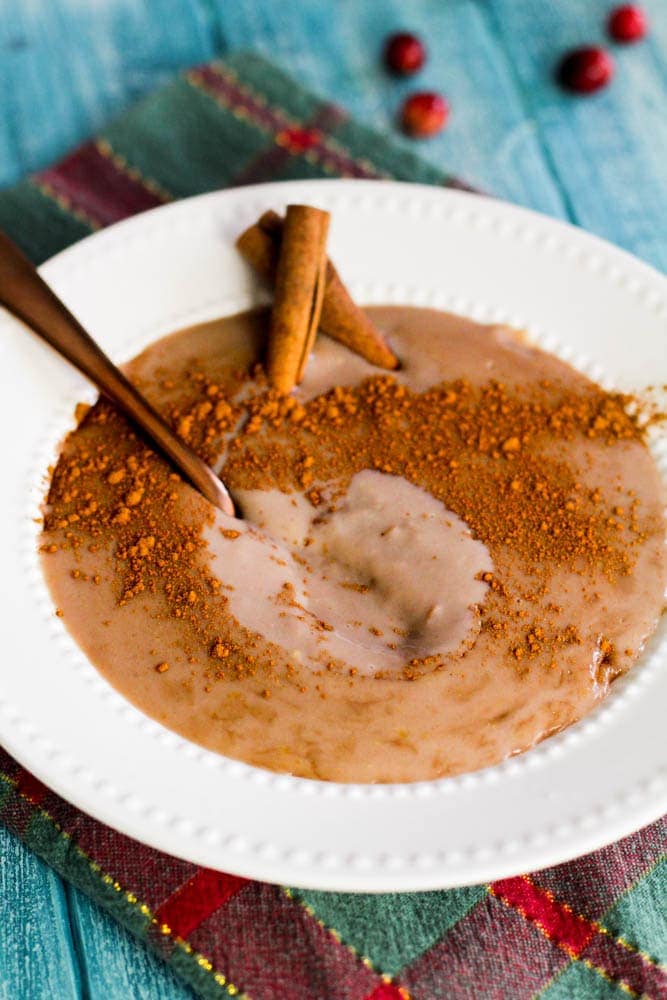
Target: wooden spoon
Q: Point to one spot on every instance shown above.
(25, 294)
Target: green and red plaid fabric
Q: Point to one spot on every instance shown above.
(595, 927)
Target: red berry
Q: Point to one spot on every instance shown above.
(585, 70)
(404, 53)
(627, 23)
(424, 114)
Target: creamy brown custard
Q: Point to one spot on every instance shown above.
(436, 568)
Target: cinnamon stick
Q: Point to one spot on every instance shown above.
(299, 291)
(341, 318)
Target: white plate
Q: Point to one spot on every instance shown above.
(174, 266)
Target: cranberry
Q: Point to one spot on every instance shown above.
(627, 23)
(424, 114)
(585, 70)
(404, 53)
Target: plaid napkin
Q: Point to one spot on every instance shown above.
(595, 927)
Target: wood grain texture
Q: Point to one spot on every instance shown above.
(112, 962)
(67, 66)
(37, 954)
(608, 152)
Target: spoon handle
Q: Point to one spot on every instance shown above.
(25, 294)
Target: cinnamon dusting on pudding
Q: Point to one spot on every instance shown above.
(548, 471)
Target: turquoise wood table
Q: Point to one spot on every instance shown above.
(66, 67)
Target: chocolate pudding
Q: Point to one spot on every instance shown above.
(436, 568)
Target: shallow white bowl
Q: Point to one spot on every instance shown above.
(590, 303)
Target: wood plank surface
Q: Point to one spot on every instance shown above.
(608, 152)
(113, 964)
(38, 960)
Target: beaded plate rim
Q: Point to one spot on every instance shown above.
(91, 784)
